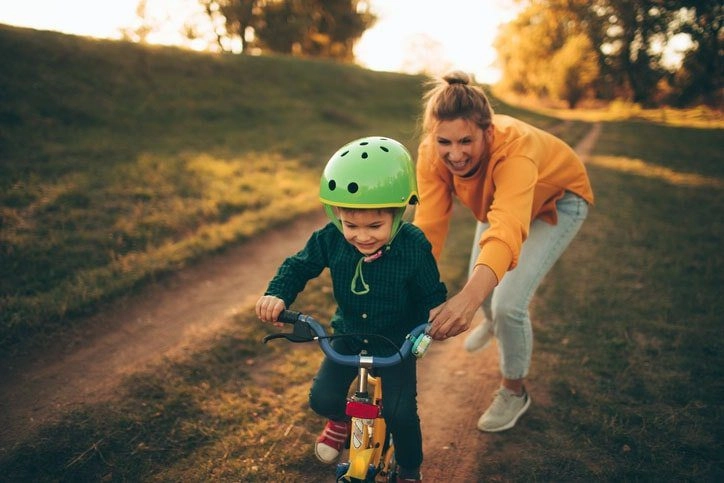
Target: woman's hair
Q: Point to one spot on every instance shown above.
(454, 97)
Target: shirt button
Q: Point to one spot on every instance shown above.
(364, 316)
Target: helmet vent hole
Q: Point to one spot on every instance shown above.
(364, 143)
(384, 149)
(352, 187)
(332, 185)
(365, 155)
(344, 153)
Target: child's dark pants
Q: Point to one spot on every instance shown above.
(328, 397)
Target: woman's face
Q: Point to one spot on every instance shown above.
(462, 145)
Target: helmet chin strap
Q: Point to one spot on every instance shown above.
(359, 278)
(330, 214)
(396, 223)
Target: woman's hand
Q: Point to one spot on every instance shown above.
(454, 316)
(268, 308)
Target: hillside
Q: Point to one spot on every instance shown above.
(119, 162)
(63, 86)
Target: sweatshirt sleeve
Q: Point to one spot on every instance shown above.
(510, 214)
(432, 214)
(423, 284)
(431, 289)
(294, 273)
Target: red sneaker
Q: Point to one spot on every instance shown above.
(330, 442)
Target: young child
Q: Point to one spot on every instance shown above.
(385, 282)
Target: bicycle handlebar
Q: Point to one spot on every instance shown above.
(307, 329)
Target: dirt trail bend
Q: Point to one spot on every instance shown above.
(132, 334)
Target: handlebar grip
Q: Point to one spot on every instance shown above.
(288, 316)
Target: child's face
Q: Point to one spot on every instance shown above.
(366, 230)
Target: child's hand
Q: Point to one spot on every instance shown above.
(268, 308)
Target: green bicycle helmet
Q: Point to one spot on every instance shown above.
(371, 172)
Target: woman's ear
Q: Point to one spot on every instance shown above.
(488, 133)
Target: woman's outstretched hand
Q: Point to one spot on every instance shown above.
(455, 316)
(451, 318)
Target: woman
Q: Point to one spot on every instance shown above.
(529, 192)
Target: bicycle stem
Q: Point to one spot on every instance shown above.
(362, 381)
(365, 364)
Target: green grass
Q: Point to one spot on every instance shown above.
(628, 322)
(119, 163)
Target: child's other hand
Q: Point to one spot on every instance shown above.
(268, 308)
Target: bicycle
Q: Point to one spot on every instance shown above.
(371, 456)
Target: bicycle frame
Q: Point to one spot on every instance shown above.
(371, 449)
(368, 436)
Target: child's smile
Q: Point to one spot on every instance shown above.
(367, 230)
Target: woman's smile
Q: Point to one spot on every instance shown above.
(461, 145)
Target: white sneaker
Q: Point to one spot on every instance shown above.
(504, 412)
(479, 338)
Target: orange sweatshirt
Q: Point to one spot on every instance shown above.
(529, 170)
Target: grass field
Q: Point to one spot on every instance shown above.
(120, 163)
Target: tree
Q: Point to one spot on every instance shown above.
(700, 77)
(320, 28)
(143, 25)
(631, 28)
(544, 52)
(574, 69)
(282, 26)
(626, 36)
(233, 19)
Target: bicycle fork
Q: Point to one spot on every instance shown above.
(368, 428)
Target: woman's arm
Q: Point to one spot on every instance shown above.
(454, 316)
(433, 213)
(509, 220)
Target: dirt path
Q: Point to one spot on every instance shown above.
(132, 334)
(172, 318)
(454, 387)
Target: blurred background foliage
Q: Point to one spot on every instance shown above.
(565, 51)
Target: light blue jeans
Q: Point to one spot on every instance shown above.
(507, 305)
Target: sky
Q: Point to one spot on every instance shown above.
(409, 35)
